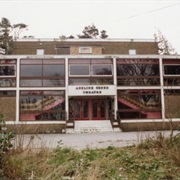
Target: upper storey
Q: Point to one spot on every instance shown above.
(84, 46)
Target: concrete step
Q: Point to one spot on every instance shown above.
(92, 126)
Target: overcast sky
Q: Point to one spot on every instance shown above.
(121, 19)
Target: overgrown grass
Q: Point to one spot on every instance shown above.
(155, 158)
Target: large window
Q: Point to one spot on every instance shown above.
(103, 69)
(7, 70)
(8, 105)
(90, 72)
(139, 104)
(42, 105)
(172, 70)
(171, 75)
(138, 72)
(7, 73)
(78, 70)
(42, 73)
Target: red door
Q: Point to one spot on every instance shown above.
(98, 109)
(81, 109)
(89, 109)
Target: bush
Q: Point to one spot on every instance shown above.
(5, 142)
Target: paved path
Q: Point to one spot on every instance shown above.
(91, 140)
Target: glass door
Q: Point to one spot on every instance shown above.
(98, 109)
(81, 109)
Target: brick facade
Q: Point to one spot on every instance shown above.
(98, 47)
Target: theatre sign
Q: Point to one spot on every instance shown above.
(91, 90)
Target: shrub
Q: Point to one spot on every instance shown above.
(5, 142)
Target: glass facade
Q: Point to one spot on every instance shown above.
(42, 105)
(139, 104)
(134, 88)
(90, 72)
(138, 72)
(42, 73)
(7, 73)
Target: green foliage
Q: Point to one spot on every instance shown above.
(5, 142)
(91, 31)
(6, 31)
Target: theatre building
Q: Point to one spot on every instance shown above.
(89, 85)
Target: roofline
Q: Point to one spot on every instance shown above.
(152, 56)
(83, 40)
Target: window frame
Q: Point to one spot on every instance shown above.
(84, 52)
(170, 74)
(81, 66)
(9, 75)
(109, 75)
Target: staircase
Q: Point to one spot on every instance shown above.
(116, 123)
(69, 126)
(91, 126)
(147, 109)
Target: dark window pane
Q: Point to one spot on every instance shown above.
(77, 106)
(7, 70)
(172, 69)
(31, 70)
(172, 81)
(63, 50)
(85, 108)
(53, 70)
(102, 70)
(94, 108)
(79, 70)
(52, 116)
(137, 70)
(102, 108)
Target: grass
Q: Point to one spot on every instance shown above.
(155, 158)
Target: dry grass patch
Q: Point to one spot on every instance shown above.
(155, 158)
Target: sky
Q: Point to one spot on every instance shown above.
(122, 19)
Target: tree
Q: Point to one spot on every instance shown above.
(5, 38)
(17, 29)
(103, 34)
(164, 46)
(91, 31)
(6, 31)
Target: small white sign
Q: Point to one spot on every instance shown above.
(89, 90)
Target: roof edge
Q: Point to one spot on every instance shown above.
(83, 40)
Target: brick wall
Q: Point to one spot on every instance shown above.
(8, 108)
(107, 47)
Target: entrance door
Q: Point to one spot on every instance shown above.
(88, 109)
(81, 109)
(98, 109)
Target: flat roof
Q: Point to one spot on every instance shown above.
(83, 40)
